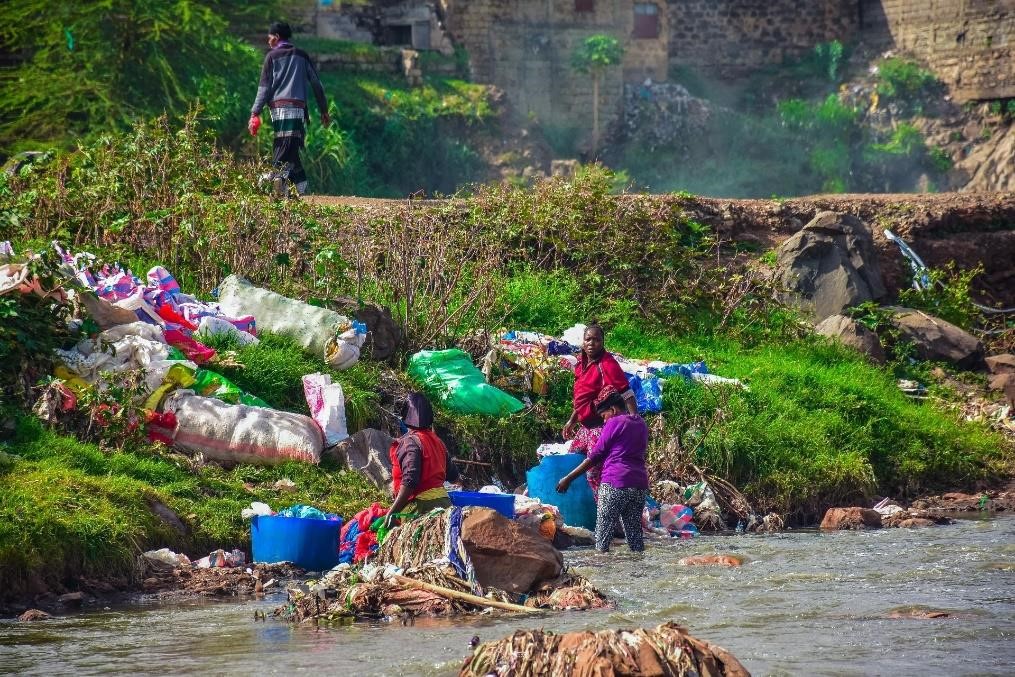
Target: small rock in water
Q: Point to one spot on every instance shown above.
(33, 615)
(72, 599)
(919, 613)
(711, 560)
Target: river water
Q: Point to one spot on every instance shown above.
(804, 603)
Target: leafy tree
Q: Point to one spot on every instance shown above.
(87, 67)
(595, 56)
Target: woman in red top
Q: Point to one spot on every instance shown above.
(596, 369)
(420, 463)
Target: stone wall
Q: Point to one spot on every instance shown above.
(731, 37)
(525, 47)
(969, 44)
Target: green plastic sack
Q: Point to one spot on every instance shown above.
(209, 384)
(450, 376)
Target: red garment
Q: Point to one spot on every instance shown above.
(167, 313)
(365, 540)
(434, 463)
(161, 426)
(590, 376)
(196, 352)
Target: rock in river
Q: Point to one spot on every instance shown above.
(508, 555)
(851, 518)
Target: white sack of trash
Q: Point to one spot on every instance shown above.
(325, 333)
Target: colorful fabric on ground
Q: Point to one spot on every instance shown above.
(357, 542)
(584, 440)
(195, 351)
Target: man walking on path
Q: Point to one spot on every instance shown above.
(283, 88)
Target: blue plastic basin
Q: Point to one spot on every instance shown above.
(502, 503)
(577, 505)
(308, 543)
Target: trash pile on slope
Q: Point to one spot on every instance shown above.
(666, 650)
(128, 325)
(524, 361)
(449, 561)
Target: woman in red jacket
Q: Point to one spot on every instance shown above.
(420, 463)
(596, 371)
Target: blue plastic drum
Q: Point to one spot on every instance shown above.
(577, 506)
(308, 543)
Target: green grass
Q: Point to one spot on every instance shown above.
(819, 426)
(69, 509)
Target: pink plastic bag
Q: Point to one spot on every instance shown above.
(327, 406)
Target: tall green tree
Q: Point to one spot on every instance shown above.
(595, 57)
(88, 67)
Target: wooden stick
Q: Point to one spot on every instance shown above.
(463, 596)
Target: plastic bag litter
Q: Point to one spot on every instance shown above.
(575, 335)
(219, 559)
(241, 434)
(209, 384)
(325, 333)
(327, 406)
(452, 378)
(700, 496)
(553, 449)
(257, 508)
(648, 393)
(167, 556)
(216, 326)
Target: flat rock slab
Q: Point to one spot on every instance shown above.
(711, 561)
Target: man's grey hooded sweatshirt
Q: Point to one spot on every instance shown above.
(284, 78)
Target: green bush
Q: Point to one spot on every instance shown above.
(905, 82)
(90, 68)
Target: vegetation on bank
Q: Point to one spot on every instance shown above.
(798, 129)
(818, 426)
(85, 70)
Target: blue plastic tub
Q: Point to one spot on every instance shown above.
(577, 506)
(502, 503)
(308, 543)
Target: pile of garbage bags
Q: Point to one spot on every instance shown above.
(149, 325)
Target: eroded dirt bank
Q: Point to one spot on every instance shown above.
(968, 228)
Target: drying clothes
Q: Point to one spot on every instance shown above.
(195, 351)
(111, 352)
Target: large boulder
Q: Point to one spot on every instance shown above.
(506, 554)
(936, 339)
(851, 518)
(851, 333)
(1002, 368)
(830, 265)
(368, 453)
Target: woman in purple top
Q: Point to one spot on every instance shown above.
(621, 452)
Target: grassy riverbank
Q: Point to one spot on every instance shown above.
(818, 426)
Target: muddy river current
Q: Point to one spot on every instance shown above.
(804, 603)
